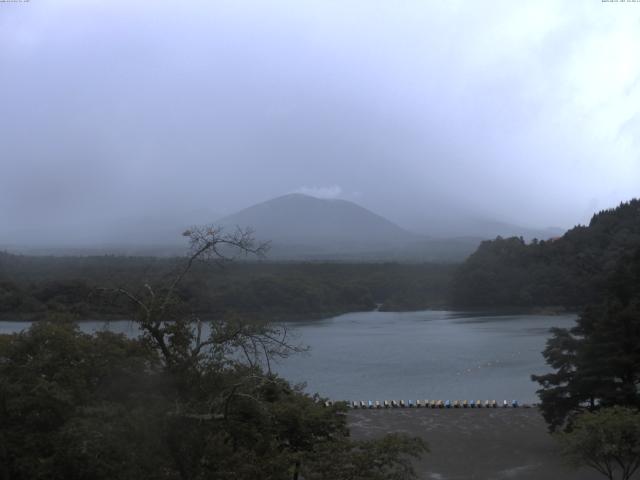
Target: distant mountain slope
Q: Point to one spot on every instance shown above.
(491, 229)
(570, 271)
(299, 227)
(304, 221)
(463, 225)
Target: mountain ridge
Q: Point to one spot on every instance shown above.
(298, 226)
(300, 219)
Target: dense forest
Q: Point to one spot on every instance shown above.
(596, 363)
(570, 271)
(43, 287)
(173, 404)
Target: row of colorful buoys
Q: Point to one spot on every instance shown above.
(374, 404)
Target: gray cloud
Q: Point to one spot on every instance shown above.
(519, 111)
(333, 191)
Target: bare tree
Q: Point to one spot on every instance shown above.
(178, 335)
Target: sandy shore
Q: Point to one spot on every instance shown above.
(474, 444)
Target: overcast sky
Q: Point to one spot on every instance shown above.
(521, 111)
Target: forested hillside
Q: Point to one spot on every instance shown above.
(597, 362)
(569, 271)
(39, 287)
(175, 404)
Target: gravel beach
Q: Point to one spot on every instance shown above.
(478, 444)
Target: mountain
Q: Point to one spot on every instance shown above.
(298, 227)
(303, 223)
(301, 227)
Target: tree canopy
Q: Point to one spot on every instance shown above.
(596, 363)
(173, 404)
(607, 441)
(570, 271)
(41, 287)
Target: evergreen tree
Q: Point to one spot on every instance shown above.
(571, 271)
(596, 363)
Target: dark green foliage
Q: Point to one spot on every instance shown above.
(607, 440)
(385, 459)
(67, 395)
(76, 406)
(597, 363)
(44, 286)
(570, 271)
(172, 404)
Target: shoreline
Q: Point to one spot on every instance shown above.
(549, 311)
(473, 443)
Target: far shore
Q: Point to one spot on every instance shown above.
(497, 311)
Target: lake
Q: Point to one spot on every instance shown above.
(410, 355)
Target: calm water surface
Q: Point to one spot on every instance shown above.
(429, 354)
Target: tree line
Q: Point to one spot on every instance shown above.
(591, 398)
(173, 404)
(42, 287)
(570, 271)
